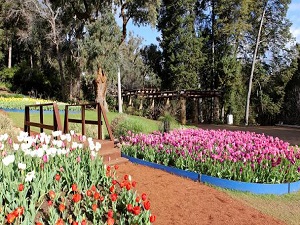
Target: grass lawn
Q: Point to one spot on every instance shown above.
(18, 120)
(284, 207)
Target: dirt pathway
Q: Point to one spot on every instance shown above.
(180, 201)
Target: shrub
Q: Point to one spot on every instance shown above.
(6, 124)
(122, 124)
(167, 122)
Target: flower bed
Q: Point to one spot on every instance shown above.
(56, 180)
(240, 156)
(18, 103)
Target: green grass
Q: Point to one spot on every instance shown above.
(18, 120)
(283, 207)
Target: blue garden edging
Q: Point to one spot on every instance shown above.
(256, 188)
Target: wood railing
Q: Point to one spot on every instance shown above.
(56, 118)
(83, 121)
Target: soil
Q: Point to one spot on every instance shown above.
(180, 201)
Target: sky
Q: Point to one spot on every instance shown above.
(149, 34)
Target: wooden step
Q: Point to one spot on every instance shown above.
(117, 161)
(110, 154)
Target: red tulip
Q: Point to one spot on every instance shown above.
(18, 211)
(93, 188)
(147, 205)
(50, 203)
(76, 197)
(57, 177)
(96, 196)
(136, 210)
(110, 221)
(144, 197)
(112, 189)
(110, 213)
(51, 194)
(94, 207)
(89, 193)
(61, 207)
(152, 218)
(10, 218)
(74, 187)
(129, 207)
(133, 183)
(114, 197)
(21, 187)
(59, 222)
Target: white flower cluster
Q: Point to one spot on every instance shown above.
(42, 146)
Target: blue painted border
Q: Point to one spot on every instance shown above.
(256, 188)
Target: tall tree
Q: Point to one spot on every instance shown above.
(181, 45)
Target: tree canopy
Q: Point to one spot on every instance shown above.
(63, 49)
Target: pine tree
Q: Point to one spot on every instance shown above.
(181, 45)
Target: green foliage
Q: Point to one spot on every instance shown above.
(181, 45)
(133, 70)
(7, 75)
(6, 125)
(168, 122)
(27, 80)
(122, 124)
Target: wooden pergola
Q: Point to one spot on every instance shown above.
(182, 95)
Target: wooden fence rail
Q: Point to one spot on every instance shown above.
(56, 118)
(57, 122)
(83, 121)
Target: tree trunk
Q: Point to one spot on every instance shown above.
(9, 55)
(253, 64)
(100, 84)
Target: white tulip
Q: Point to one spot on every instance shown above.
(29, 176)
(8, 160)
(22, 166)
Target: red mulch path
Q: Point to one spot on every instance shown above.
(180, 201)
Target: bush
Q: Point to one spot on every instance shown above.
(90, 130)
(167, 122)
(6, 124)
(122, 124)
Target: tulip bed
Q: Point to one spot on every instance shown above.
(20, 102)
(56, 179)
(234, 155)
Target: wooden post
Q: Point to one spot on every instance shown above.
(56, 117)
(130, 101)
(141, 104)
(168, 103)
(216, 109)
(27, 119)
(41, 118)
(152, 105)
(99, 122)
(183, 110)
(195, 110)
(83, 119)
(66, 120)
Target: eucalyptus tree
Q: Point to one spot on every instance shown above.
(268, 45)
(99, 37)
(290, 112)
(134, 71)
